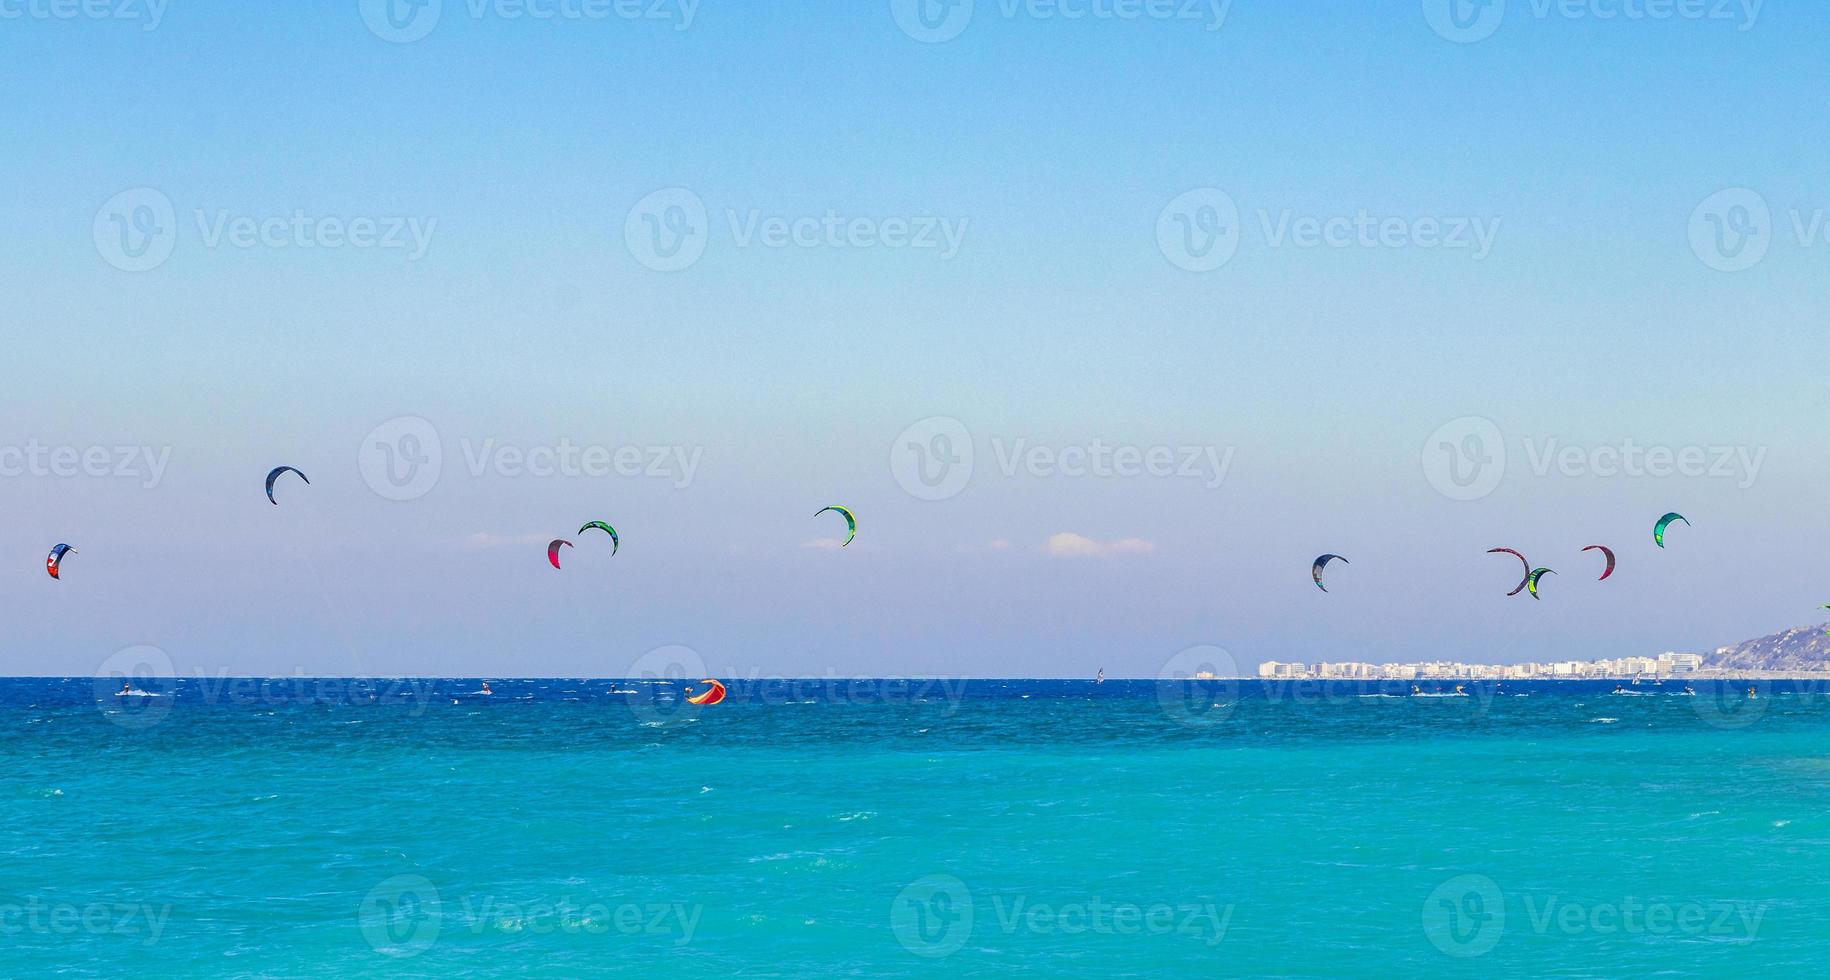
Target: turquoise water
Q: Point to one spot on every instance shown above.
(1001, 828)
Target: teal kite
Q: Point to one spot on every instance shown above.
(851, 523)
(615, 542)
(1658, 530)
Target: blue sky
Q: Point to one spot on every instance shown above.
(1029, 162)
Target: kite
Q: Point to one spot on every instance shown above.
(552, 550)
(275, 475)
(1658, 530)
(1315, 571)
(1537, 573)
(56, 559)
(1609, 554)
(1522, 582)
(851, 523)
(713, 695)
(615, 542)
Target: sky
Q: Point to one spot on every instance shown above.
(1105, 317)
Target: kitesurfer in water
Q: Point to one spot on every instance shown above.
(486, 691)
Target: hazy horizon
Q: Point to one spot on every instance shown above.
(1105, 328)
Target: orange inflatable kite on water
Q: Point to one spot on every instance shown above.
(712, 696)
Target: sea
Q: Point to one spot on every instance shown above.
(914, 827)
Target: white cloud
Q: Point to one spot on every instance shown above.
(1067, 544)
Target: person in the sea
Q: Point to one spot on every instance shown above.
(486, 689)
(127, 687)
(1619, 690)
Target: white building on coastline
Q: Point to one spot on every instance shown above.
(1664, 665)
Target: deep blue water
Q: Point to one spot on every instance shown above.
(933, 828)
